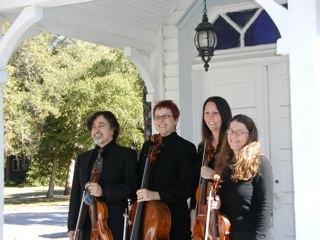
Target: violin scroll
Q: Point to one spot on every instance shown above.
(209, 151)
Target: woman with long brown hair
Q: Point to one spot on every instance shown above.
(216, 114)
(247, 182)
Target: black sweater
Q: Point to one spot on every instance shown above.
(249, 204)
(172, 175)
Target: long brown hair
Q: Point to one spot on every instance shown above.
(246, 164)
(225, 114)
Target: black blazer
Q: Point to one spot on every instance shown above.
(119, 181)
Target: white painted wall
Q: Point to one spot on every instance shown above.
(193, 91)
(305, 98)
(174, 80)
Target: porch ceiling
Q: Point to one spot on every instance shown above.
(115, 23)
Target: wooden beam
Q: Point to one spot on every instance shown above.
(98, 28)
(27, 18)
(9, 5)
(97, 36)
(144, 70)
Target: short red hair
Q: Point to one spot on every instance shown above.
(170, 105)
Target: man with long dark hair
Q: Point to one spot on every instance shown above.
(117, 182)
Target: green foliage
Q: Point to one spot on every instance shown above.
(55, 84)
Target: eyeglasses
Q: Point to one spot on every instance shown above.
(163, 117)
(237, 133)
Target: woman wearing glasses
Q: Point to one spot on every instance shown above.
(171, 174)
(216, 115)
(247, 189)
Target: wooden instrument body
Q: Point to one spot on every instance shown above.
(98, 212)
(156, 220)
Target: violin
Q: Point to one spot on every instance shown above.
(151, 219)
(217, 225)
(202, 220)
(98, 212)
(98, 209)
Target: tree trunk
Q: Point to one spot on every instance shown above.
(7, 170)
(52, 178)
(67, 186)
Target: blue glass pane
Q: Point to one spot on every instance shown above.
(262, 31)
(241, 18)
(227, 36)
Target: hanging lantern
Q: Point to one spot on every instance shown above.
(205, 38)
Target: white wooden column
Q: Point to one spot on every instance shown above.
(143, 65)
(300, 29)
(150, 67)
(305, 98)
(3, 78)
(8, 43)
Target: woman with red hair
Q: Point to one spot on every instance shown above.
(171, 175)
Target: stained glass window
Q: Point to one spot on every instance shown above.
(261, 30)
(243, 17)
(227, 36)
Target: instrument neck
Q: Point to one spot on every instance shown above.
(135, 232)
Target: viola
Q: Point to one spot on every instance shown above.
(98, 212)
(217, 225)
(151, 219)
(98, 209)
(202, 220)
(199, 227)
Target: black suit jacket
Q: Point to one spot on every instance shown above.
(119, 181)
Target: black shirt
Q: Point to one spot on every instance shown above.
(249, 204)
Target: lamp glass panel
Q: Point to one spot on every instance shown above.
(207, 39)
(203, 39)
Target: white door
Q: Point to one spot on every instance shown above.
(260, 91)
(244, 89)
(281, 150)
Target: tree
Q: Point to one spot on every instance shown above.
(53, 88)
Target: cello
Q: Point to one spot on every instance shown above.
(202, 220)
(151, 219)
